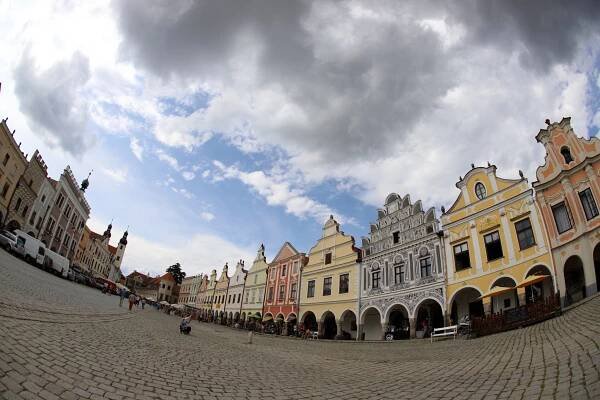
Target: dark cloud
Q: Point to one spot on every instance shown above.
(361, 75)
(52, 101)
(543, 33)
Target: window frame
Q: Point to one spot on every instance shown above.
(399, 273)
(327, 284)
(477, 186)
(591, 202)
(555, 207)
(428, 266)
(460, 254)
(344, 286)
(497, 241)
(375, 273)
(328, 258)
(310, 288)
(519, 231)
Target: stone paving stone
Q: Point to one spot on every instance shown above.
(65, 341)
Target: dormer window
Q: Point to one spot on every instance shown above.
(480, 191)
(566, 153)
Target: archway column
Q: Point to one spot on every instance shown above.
(339, 329)
(359, 331)
(521, 298)
(487, 305)
(384, 329)
(413, 327)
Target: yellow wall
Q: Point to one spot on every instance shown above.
(469, 219)
(343, 261)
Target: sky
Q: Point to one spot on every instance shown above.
(212, 127)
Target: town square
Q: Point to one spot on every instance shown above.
(299, 199)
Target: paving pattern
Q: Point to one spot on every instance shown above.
(61, 340)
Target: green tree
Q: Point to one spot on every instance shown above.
(177, 273)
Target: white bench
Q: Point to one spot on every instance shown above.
(445, 331)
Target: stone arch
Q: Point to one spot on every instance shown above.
(391, 197)
(371, 323)
(417, 207)
(466, 302)
(397, 318)
(574, 276)
(309, 320)
(398, 259)
(236, 316)
(406, 201)
(327, 325)
(429, 314)
(348, 324)
(540, 290)
(291, 317)
(243, 316)
(504, 301)
(13, 225)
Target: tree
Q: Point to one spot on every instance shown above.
(177, 273)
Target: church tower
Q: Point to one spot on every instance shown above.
(121, 250)
(106, 236)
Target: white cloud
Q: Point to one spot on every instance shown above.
(277, 192)
(188, 175)
(172, 161)
(136, 148)
(207, 216)
(118, 175)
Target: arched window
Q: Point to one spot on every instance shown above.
(480, 191)
(566, 153)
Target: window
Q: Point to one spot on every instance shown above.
(229, 299)
(295, 267)
(59, 232)
(5, 190)
(43, 198)
(480, 191)
(344, 283)
(18, 204)
(67, 211)
(281, 292)
(461, 256)
(255, 278)
(293, 291)
(326, 286)
(375, 278)
(396, 236)
(283, 270)
(493, 246)
(327, 258)
(399, 274)
(32, 218)
(247, 296)
(588, 204)
(566, 153)
(118, 258)
(24, 213)
(524, 234)
(6, 158)
(425, 267)
(311, 289)
(561, 217)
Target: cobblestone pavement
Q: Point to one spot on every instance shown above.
(61, 340)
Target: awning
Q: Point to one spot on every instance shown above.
(279, 318)
(178, 306)
(267, 318)
(530, 280)
(291, 318)
(164, 303)
(498, 290)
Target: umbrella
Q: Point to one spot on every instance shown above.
(497, 291)
(530, 280)
(164, 303)
(267, 318)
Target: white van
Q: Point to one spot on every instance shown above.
(34, 250)
(55, 262)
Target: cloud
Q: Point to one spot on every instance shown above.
(170, 160)
(54, 101)
(199, 253)
(118, 175)
(277, 192)
(136, 148)
(188, 175)
(207, 216)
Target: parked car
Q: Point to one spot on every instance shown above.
(56, 263)
(34, 251)
(8, 240)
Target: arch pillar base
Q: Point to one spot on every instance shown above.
(413, 327)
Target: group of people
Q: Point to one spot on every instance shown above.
(133, 300)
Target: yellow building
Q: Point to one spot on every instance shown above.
(220, 296)
(12, 165)
(329, 293)
(494, 243)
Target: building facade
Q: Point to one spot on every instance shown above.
(567, 191)
(329, 295)
(168, 289)
(40, 208)
(220, 295)
(21, 213)
(12, 165)
(283, 285)
(254, 291)
(209, 295)
(97, 256)
(188, 292)
(202, 297)
(67, 216)
(402, 287)
(233, 305)
(494, 241)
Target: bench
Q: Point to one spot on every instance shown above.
(444, 332)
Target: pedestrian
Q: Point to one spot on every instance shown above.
(184, 325)
(121, 297)
(131, 300)
(143, 303)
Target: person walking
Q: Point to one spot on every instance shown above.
(131, 300)
(121, 297)
(143, 303)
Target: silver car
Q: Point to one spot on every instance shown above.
(8, 240)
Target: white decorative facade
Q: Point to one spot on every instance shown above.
(233, 305)
(402, 274)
